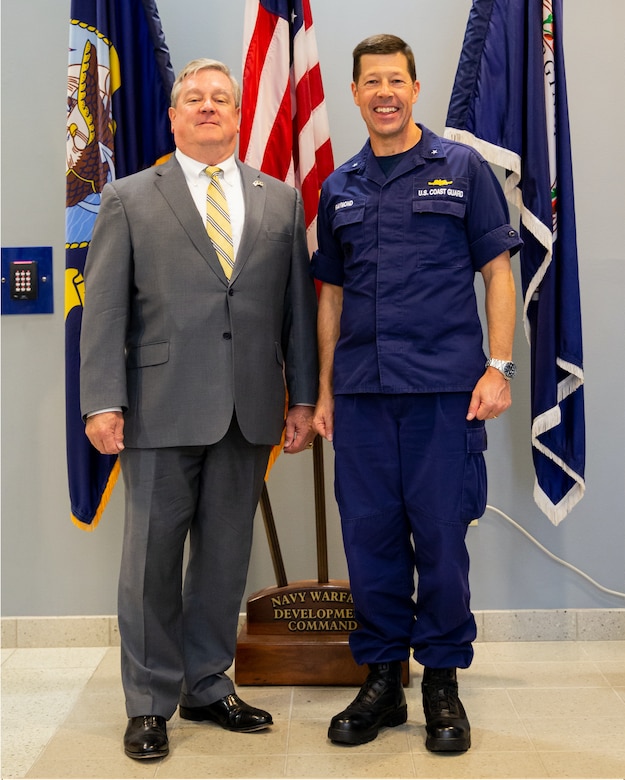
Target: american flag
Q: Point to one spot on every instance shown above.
(284, 123)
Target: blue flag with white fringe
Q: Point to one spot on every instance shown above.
(119, 81)
(509, 102)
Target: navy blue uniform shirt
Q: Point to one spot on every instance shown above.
(405, 249)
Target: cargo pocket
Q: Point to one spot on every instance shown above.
(474, 488)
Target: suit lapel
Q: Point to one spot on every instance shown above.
(254, 196)
(173, 187)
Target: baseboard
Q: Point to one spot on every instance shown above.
(540, 625)
(64, 631)
(551, 625)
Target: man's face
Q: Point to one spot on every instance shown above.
(205, 121)
(385, 94)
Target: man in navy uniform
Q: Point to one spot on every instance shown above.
(405, 388)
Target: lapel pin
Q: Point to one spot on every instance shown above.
(258, 183)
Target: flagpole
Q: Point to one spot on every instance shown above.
(320, 523)
(320, 512)
(289, 636)
(272, 538)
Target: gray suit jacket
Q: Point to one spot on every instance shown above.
(167, 338)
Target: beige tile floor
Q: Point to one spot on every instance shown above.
(537, 709)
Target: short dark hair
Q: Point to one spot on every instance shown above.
(383, 44)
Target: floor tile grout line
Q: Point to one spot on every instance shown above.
(58, 724)
(288, 733)
(544, 757)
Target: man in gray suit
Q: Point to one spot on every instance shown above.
(185, 373)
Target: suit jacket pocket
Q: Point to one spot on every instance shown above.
(273, 235)
(148, 354)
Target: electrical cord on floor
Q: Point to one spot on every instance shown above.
(555, 557)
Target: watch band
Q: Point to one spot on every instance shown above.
(506, 367)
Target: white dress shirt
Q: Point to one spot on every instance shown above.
(198, 180)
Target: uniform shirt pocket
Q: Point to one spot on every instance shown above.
(445, 207)
(441, 196)
(348, 224)
(438, 211)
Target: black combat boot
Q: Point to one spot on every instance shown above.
(446, 721)
(380, 702)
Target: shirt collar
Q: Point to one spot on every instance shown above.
(429, 147)
(192, 169)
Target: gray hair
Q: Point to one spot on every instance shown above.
(191, 68)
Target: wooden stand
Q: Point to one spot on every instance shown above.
(299, 635)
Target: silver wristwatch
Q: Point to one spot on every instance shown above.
(507, 367)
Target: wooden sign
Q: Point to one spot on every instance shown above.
(299, 635)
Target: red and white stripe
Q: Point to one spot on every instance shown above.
(284, 122)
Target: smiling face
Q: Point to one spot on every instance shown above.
(205, 119)
(385, 94)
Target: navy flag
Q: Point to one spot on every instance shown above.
(509, 102)
(119, 81)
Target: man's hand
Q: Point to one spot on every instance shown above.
(491, 396)
(323, 421)
(106, 432)
(299, 434)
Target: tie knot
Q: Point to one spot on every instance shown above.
(213, 171)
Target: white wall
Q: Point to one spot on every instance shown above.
(49, 567)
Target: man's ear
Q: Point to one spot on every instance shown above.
(416, 88)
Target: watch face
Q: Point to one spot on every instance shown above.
(509, 370)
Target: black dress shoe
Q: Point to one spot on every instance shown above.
(146, 737)
(446, 722)
(380, 702)
(231, 713)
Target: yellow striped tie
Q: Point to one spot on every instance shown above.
(218, 221)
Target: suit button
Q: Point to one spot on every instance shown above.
(227, 336)
(231, 291)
